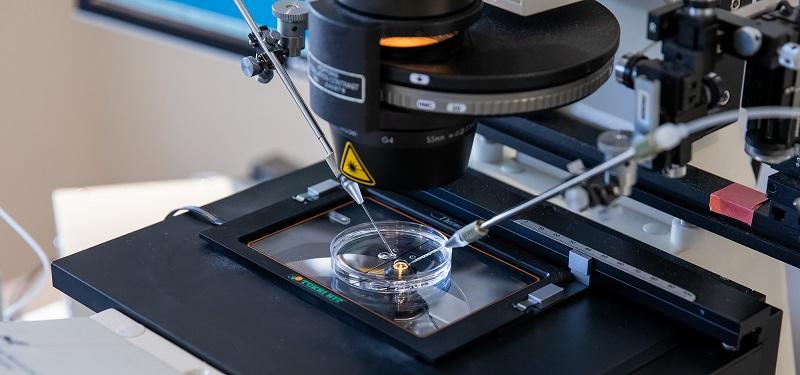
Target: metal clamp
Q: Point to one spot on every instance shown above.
(580, 265)
(789, 56)
(314, 191)
(541, 298)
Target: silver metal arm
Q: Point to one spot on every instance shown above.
(479, 229)
(552, 192)
(330, 156)
(352, 188)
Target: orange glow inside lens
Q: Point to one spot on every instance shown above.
(414, 41)
(408, 42)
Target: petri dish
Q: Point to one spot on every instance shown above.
(358, 257)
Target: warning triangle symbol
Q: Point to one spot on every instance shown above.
(352, 166)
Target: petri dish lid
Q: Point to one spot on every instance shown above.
(358, 257)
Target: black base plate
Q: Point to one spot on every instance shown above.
(239, 318)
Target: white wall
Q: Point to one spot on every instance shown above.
(83, 105)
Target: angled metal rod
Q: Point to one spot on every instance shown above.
(330, 157)
(610, 163)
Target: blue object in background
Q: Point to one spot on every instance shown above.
(217, 23)
(261, 9)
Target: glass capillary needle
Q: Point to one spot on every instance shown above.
(479, 229)
(350, 187)
(392, 254)
(434, 251)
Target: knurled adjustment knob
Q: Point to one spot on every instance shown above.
(251, 67)
(293, 11)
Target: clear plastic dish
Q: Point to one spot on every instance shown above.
(358, 257)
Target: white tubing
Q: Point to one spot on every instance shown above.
(17, 305)
(754, 113)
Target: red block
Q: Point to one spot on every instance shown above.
(737, 201)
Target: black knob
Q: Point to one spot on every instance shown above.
(625, 68)
(251, 67)
(266, 76)
(716, 93)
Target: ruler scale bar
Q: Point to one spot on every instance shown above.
(609, 260)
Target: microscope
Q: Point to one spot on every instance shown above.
(402, 83)
(405, 86)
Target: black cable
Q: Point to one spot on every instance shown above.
(198, 213)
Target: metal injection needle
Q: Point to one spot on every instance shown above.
(426, 255)
(350, 187)
(479, 229)
(290, 87)
(391, 254)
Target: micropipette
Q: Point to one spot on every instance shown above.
(352, 188)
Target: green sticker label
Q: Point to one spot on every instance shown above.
(316, 288)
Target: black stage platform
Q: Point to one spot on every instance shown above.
(235, 315)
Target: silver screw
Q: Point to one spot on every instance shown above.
(651, 27)
(251, 66)
(724, 98)
(735, 4)
(674, 171)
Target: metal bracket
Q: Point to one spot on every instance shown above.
(541, 298)
(339, 218)
(314, 191)
(648, 99)
(581, 266)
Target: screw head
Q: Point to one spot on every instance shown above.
(621, 68)
(272, 36)
(251, 67)
(724, 98)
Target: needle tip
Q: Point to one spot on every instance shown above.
(452, 242)
(468, 234)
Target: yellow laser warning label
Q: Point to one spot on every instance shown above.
(352, 166)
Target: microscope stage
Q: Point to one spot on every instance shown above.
(478, 293)
(476, 281)
(239, 311)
